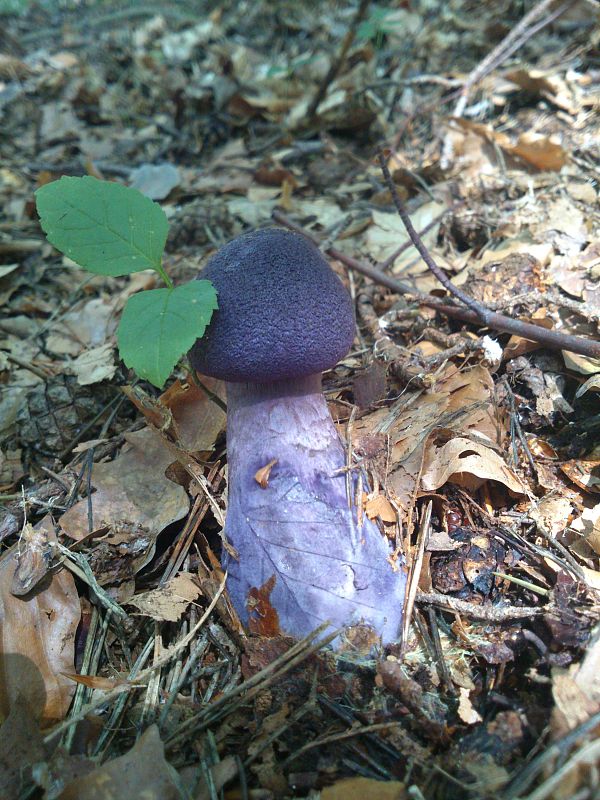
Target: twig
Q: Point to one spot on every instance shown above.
(29, 366)
(552, 339)
(337, 737)
(484, 613)
(415, 572)
(337, 63)
(419, 245)
(390, 259)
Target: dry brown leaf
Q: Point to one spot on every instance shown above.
(466, 464)
(584, 473)
(387, 234)
(466, 711)
(261, 476)
(143, 772)
(168, 602)
(539, 151)
(551, 514)
(380, 506)
(21, 746)
(94, 365)
(131, 492)
(37, 642)
(364, 789)
(585, 365)
(199, 419)
(576, 693)
(588, 525)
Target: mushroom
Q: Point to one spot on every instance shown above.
(283, 318)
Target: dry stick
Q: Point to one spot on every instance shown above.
(415, 572)
(337, 64)
(484, 613)
(552, 339)
(477, 307)
(383, 265)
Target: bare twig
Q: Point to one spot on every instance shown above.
(485, 613)
(548, 338)
(477, 307)
(415, 571)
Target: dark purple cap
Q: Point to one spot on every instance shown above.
(283, 313)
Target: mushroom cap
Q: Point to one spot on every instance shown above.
(283, 313)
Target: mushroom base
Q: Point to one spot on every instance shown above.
(299, 535)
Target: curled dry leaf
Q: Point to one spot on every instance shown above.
(262, 474)
(37, 642)
(466, 464)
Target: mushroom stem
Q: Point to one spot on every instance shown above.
(300, 528)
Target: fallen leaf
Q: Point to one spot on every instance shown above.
(94, 365)
(380, 506)
(199, 419)
(169, 601)
(37, 642)
(467, 464)
(466, 711)
(156, 181)
(132, 492)
(261, 475)
(21, 746)
(143, 772)
(364, 789)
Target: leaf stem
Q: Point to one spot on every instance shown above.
(161, 271)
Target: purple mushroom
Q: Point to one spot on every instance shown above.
(283, 318)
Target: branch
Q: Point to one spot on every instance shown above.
(552, 339)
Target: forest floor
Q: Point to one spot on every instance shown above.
(124, 671)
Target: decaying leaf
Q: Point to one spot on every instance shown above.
(169, 601)
(131, 491)
(21, 746)
(37, 642)
(364, 789)
(142, 772)
(467, 464)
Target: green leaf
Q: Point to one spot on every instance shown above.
(158, 326)
(105, 227)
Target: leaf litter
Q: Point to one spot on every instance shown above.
(482, 458)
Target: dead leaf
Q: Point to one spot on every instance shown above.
(156, 181)
(261, 475)
(263, 618)
(21, 746)
(585, 365)
(466, 711)
(467, 464)
(588, 526)
(364, 789)
(143, 772)
(94, 365)
(540, 151)
(37, 642)
(199, 419)
(169, 601)
(380, 506)
(584, 473)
